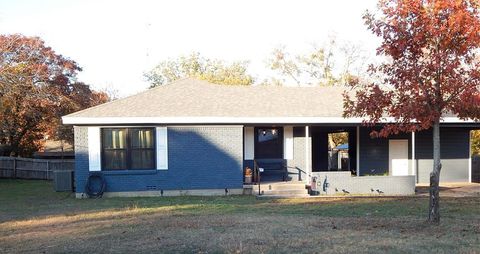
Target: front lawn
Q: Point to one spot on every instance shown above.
(33, 218)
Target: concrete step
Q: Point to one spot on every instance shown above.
(284, 196)
(284, 192)
(282, 186)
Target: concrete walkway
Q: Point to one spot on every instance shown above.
(452, 190)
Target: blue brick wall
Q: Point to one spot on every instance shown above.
(209, 157)
(454, 152)
(374, 152)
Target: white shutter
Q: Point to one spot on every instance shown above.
(94, 161)
(288, 142)
(162, 148)
(249, 143)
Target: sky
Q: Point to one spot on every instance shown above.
(116, 42)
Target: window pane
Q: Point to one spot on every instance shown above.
(267, 134)
(115, 159)
(114, 138)
(143, 159)
(142, 138)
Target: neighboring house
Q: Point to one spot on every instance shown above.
(193, 137)
(55, 149)
(339, 158)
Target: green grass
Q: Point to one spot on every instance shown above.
(32, 214)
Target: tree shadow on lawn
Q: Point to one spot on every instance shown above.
(452, 190)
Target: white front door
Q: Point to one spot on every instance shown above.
(398, 157)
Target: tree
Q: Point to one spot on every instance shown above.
(475, 136)
(333, 63)
(283, 63)
(354, 63)
(431, 70)
(194, 65)
(337, 138)
(37, 86)
(78, 97)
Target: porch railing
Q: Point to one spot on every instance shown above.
(256, 173)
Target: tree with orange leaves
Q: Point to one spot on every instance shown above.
(431, 69)
(37, 86)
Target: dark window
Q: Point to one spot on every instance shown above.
(265, 135)
(142, 149)
(128, 148)
(268, 143)
(114, 144)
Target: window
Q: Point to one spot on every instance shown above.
(114, 149)
(142, 149)
(265, 135)
(128, 148)
(268, 143)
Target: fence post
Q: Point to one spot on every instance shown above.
(14, 168)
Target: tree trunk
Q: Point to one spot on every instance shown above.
(434, 206)
(331, 143)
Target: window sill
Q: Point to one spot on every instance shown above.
(130, 172)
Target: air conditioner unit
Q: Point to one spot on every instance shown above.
(63, 180)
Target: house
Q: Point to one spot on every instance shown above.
(194, 137)
(339, 157)
(55, 150)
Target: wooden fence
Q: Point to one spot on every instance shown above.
(476, 169)
(26, 168)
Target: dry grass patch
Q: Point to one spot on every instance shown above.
(249, 233)
(34, 219)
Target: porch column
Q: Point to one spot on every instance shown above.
(249, 143)
(307, 155)
(414, 164)
(470, 156)
(358, 151)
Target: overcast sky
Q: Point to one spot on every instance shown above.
(115, 42)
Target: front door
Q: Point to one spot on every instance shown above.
(268, 142)
(398, 157)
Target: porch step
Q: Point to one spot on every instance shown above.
(284, 192)
(282, 186)
(285, 196)
(283, 189)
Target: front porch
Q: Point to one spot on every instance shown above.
(306, 155)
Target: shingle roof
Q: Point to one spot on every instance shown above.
(191, 101)
(197, 98)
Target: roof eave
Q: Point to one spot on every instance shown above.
(229, 120)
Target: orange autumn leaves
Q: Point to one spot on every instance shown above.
(430, 70)
(37, 86)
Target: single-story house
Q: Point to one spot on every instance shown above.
(194, 137)
(55, 150)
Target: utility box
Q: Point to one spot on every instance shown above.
(63, 180)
